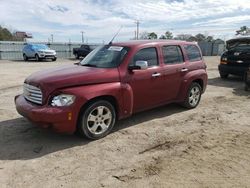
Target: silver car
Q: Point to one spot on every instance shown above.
(38, 51)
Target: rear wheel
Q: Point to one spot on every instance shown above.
(77, 56)
(193, 96)
(25, 58)
(37, 57)
(223, 75)
(97, 120)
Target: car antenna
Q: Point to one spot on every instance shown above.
(115, 35)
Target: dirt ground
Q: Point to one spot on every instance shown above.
(166, 147)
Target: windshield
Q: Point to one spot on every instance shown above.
(105, 57)
(40, 47)
(240, 45)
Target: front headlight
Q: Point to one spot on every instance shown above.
(63, 100)
(224, 59)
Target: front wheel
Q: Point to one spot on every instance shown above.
(223, 75)
(37, 57)
(25, 58)
(54, 59)
(193, 96)
(77, 56)
(97, 120)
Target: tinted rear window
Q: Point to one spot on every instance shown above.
(172, 54)
(193, 52)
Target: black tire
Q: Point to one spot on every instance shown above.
(246, 87)
(91, 122)
(223, 75)
(77, 56)
(54, 59)
(37, 57)
(25, 58)
(192, 103)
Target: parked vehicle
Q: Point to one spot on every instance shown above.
(83, 51)
(113, 82)
(38, 52)
(236, 59)
(247, 80)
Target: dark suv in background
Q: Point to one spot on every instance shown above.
(236, 59)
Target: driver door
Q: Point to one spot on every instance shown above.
(146, 84)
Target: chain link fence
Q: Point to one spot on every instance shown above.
(13, 50)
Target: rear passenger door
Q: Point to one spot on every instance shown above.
(174, 70)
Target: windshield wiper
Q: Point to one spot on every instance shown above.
(88, 65)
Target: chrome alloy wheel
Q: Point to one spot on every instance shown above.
(194, 96)
(99, 120)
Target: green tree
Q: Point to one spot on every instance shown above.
(5, 34)
(144, 35)
(244, 30)
(200, 37)
(152, 35)
(209, 39)
(162, 37)
(169, 35)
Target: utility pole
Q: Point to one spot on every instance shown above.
(137, 29)
(52, 38)
(82, 36)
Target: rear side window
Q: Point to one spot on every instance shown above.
(193, 52)
(172, 54)
(147, 54)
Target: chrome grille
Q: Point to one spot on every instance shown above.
(32, 94)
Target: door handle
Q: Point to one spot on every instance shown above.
(156, 74)
(184, 70)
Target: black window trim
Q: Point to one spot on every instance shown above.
(182, 54)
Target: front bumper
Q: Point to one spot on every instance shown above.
(47, 56)
(235, 70)
(61, 119)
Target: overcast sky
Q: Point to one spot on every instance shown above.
(100, 19)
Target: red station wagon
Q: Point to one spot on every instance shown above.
(113, 82)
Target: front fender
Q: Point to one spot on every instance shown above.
(121, 92)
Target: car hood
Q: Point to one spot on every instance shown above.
(70, 76)
(234, 42)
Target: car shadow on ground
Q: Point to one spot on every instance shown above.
(237, 83)
(20, 140)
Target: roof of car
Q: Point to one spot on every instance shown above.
(142, 42)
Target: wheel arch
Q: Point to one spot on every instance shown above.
(200, 82)
(108, 98)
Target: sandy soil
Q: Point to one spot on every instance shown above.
(166, 147)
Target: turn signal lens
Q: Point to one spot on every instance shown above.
(223, 62)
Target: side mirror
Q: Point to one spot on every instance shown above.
(139, 65)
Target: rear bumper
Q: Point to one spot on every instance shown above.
(236, 70)
(61, 120)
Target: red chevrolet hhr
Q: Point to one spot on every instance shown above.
(113, 82)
